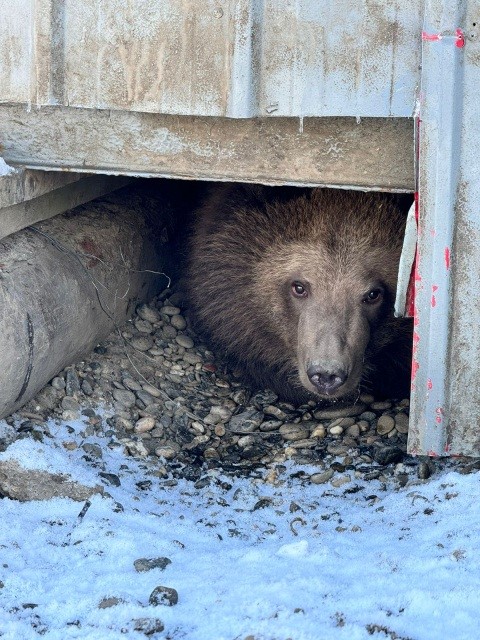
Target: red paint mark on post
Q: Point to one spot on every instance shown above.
(447, 257)
(431, 37)
(459, 39)
(433, 302)
(439, 415)
(429, 384)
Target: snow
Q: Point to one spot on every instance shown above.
(5, 169)
(249, 558)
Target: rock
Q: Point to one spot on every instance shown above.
(163, 596)
(170, 310)
(70, 404)
(92, 449)
(340, 410)
(381, 406)
(58, 383)
(147, 564)
(136, 448)
(141, 343)
(112, 601)
(23, 484)
(401, 422)
(270, 425)
(353, 431)
(275, 412)
(184, 341)
(143, 326)
(245, 422)
(291, 431)
(168, 453)
(341, 480)
(148, 313)
(335, 431)
(369, 416)
(323, 477)
(387, 455)
(148, 626)
(111, 478)
(178, 322)
(423, 471)
(124, 397)
(144, 424)
(72, 382)
(319, 432)
(385, 424)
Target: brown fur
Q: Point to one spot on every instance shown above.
(250, 244)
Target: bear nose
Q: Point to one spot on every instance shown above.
(326, 381)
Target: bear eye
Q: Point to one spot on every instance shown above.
(299, 290)
(373, 296)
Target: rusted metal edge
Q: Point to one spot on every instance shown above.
(370, 153)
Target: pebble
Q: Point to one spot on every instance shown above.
(144, 326)
(341, 480)
(245, 422)
(168, 453)
(385, 424)
(291, 431)
(144, 424)
(141, 343)
(270, 425)
(124, 397)
(322, 477)
(170, 310)
(339, 411)
(319, 432)
(178, 322)
(369, 416)
(381, 406)
(275, 412)
(336, 430)
(423, 471)
(184, 341)
(58, 383)
(401, 422)
(148, 313)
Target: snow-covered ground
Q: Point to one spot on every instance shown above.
(259, 559)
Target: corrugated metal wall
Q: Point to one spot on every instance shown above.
(234, 58)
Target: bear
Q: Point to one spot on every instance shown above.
(295, 287)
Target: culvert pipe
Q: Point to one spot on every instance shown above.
(67, 282)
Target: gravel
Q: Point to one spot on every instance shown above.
(155, 389)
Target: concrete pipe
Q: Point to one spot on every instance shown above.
(67, 282)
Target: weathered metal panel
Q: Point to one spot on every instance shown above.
(375, 152)
(234, 58)
(445, 415)
(16, 22)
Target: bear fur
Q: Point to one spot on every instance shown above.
(297, 286)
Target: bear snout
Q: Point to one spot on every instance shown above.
(326, 379)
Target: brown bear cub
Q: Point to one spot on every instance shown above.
(297, 288)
